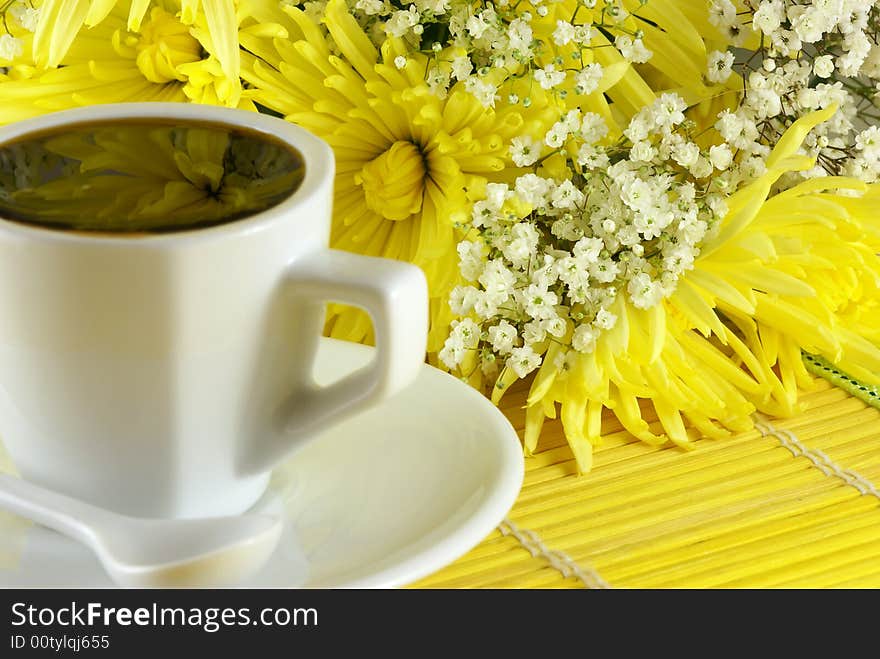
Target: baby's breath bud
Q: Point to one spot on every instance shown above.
(437, 47)
(527, 102)
(400, 61)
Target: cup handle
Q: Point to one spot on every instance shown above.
(395, 295)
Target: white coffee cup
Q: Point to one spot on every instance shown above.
(166, 375)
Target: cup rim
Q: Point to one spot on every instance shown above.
(317, 154)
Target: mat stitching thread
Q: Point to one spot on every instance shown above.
(821, 461)
(559, 561)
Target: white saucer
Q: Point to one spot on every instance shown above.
(381, 500)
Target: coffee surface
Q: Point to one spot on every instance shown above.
(144, 176)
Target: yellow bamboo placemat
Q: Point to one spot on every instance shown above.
(793, 503)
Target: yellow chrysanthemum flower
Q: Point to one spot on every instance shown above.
(61, 20)
(404, 156)
(796, 271)
(163, 60)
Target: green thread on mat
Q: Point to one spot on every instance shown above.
(861, 390)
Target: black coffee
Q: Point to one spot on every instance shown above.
(144, 176)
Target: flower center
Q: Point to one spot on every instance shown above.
(394, 182)
(165, 43)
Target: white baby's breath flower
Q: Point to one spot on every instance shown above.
(10, 47)
(701, 167)
(524, 151)
(720, 156)
(370, 7)
(496, 195)
(539, 302)
(584, 339)
(557, 135)
(605, 319)
(871, 65)
(451, 354)
(522, 244)
(523, 360)
(587, 79)
(26, 16)
(564, 33)
(722, 13)
(462, 299)
(402, 21)
(668, 110)
(435, 7)
(566, 196)
(583, 34)
(470, 258)
(823, 66)
(483, 90)
(868, 142)
(857, 46)
(768, 16)
(497, 280)
(503, 336)
(591, 156)
(315, 10)
(462, 67)
(476, 26)
(465, 336)
(686, 154)
(520, 36)
(555, 327)
(765, 103)
(532, 189)
(469, 332)
(593, 128)
(720, 64)
(644, 292)
(549, 77)
(533, 333)
(632, 49)
(642, 151)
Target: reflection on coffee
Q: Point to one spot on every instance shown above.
(144, 176)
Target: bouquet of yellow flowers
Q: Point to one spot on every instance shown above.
(637, 204)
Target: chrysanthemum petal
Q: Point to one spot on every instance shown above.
(60, 21)
(222, 23)
(354, 44)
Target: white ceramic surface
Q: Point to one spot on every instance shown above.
(152, 553)
(165, 375)
(383, 499)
